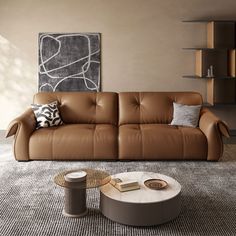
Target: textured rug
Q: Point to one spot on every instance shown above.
(31, 204)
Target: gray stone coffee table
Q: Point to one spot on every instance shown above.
(143, 207)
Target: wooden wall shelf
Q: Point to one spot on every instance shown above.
(207, 58)
(199, 77)
(210, 49)
(220, 55)
(207, 21)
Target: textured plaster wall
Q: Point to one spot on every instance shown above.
(141, 43)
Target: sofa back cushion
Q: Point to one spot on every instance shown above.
(152, 107)
(83, 107)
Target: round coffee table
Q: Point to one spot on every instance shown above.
(75, 192)
(143, 207)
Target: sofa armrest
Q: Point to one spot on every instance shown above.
(22, 127)
(214, 129)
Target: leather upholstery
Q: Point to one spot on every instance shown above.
(74, 141)
(93, 129)
(22, 127)
(213, 128)
(152, 107)
(83, 107)
(161, 142)
(90, 130)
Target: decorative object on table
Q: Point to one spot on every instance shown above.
(114, 181)
(124, 186)
(75, 177)
(46, 115)
(156, 184)
(75, 183)
(69, 62)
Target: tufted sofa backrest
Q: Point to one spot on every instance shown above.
(152, 107)
(83, 107)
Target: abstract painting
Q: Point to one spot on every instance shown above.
(69, 62)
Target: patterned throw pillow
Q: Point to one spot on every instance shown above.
(186, 115)
(47, 115)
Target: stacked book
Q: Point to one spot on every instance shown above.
(124, 186)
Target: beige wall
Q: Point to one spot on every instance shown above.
(141, 42)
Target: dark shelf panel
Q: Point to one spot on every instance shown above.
(206, 104)
(198, 77)
(220, 105)
(207, 21)
(213, 49)
(232, 132)
(226, 112)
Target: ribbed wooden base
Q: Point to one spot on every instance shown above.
(75, 202)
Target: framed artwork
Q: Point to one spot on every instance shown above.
(69, 62)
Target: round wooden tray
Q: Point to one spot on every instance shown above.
(156, 184)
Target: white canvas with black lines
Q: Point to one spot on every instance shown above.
(69, 62)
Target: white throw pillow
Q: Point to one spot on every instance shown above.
(46, 115)
(185, 115)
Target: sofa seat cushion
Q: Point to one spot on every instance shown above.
(161, 141)
(74, 142)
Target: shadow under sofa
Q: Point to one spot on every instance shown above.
(118, 126)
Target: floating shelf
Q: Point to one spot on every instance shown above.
(199, 77)
(213, 49)
(220, 105)
(207, 21)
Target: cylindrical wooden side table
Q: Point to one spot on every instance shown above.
(75, 183)
(75, 194)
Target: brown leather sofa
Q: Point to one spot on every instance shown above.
(111, 126)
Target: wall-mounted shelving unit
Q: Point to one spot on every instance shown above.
(220, 54)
